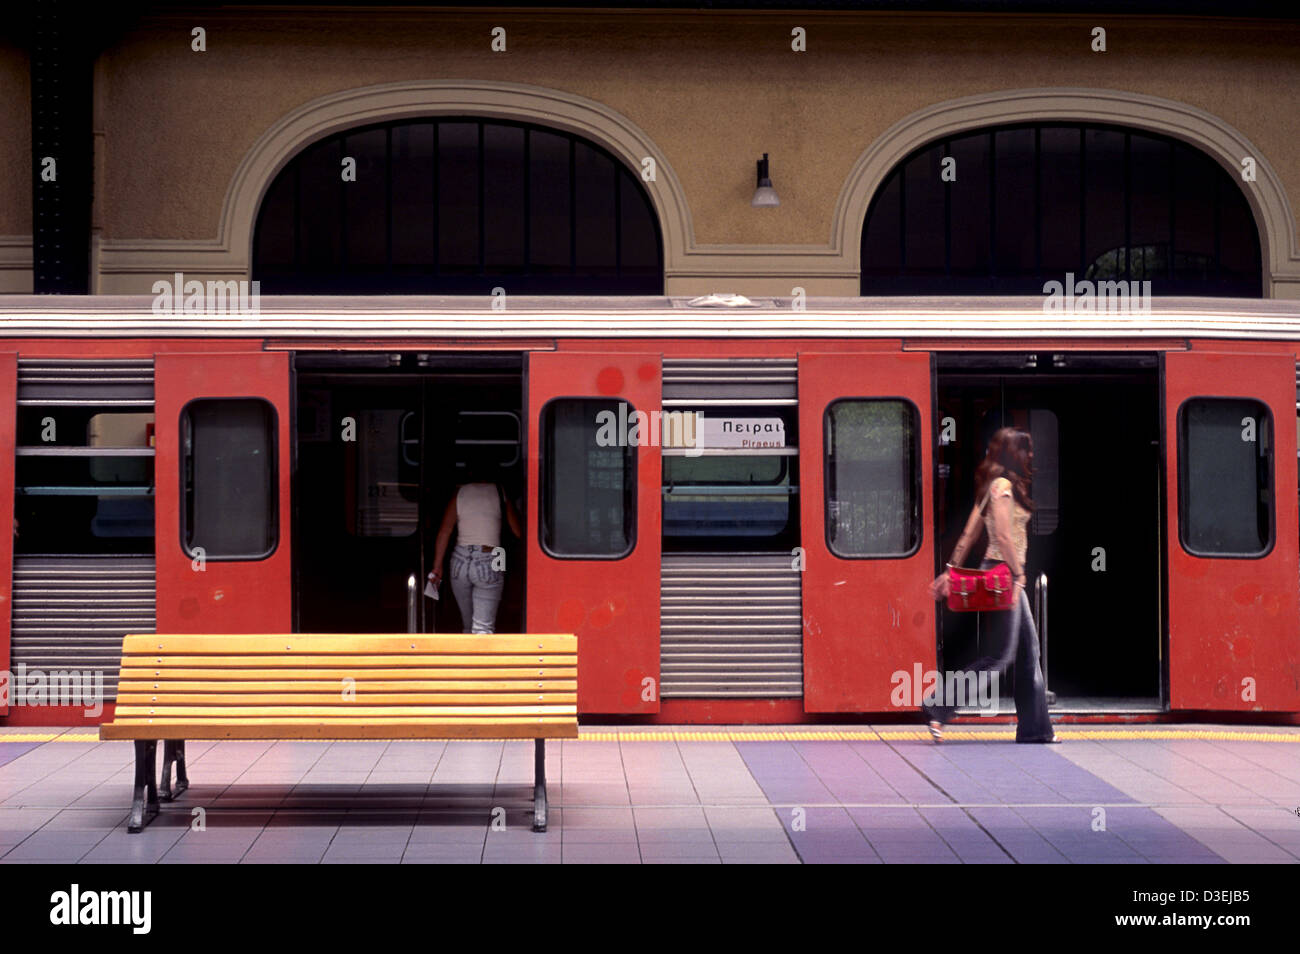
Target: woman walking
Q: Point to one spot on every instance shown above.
(1002, 489)
(475, 514)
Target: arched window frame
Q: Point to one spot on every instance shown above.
(899, 280)
(527, 277)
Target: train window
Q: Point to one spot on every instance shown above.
(588, 489)
(229, 503)
(873, 478)
(711, 500)
(84, 480)
(458, 205)
(1122, 205)
(1225, 477)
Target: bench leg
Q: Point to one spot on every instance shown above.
(539, 785)
(144, 800)
(173, 752)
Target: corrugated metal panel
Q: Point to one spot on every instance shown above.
(72, 382)
(71, 612)
(731, 624)
(746, 380)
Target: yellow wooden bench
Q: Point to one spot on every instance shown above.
(303, 686)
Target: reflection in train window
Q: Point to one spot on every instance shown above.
(84, 481)
(873, 478)
(384, 473)
(1046, 488)
(714, 498)
(588, 489)
(1225, 477)
(230, 507)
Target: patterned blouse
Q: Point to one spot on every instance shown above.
(1019, 524)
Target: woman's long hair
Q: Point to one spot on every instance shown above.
(1008, 456)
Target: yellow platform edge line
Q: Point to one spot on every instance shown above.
(825, 735)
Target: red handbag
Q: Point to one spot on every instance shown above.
(979, 591)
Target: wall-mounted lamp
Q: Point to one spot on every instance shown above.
(764, 196)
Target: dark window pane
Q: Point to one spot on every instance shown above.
(970, 207)
(412, 195)
(588, 490)
(1013, 195)
(503, 198)
(275, 233)
(1239, 255)
(1149, 220)
(1104, 204)
(458, 185)
(640, 241)
(881, 248)
(594, 183)
(549, 202)
(321, 193)
(74, 504)
(365, 200)
(1059, 169)
(1194, 185)
(923, 197)
(230, 505)
(454, 207)
(1226, 469)
(1086, 207)
(872, 478)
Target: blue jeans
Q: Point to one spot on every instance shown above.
(477, 588)
(1014, 633)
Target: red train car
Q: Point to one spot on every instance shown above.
(738, 510)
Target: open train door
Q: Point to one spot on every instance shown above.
(864, 463)
(1230, 439)
(223, 465)
(594, 535)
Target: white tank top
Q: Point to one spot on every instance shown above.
(478, 515)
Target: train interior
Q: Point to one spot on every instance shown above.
(1095, 559)
(382, 443)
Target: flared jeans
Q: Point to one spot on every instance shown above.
(1015, 640)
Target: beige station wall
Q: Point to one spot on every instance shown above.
(713, 91)
(15, 159)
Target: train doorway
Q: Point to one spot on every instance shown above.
(1095, 572)
(382, 443)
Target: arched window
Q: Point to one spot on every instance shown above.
(1030, 203)
(457, 206)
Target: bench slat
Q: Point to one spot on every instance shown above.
(350, 710)
(333, 697)
(232, 644)
(358, 661)
(333, 675)
(364, 684)
(315, 729)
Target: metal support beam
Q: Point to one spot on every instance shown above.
(62, 148)
(539, 785)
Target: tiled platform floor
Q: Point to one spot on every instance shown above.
(1140, 798)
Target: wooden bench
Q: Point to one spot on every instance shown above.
(174, 688)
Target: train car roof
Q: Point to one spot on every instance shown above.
(396, 317)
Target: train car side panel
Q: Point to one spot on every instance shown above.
(610, 600)
(213, 395)
(1232, 539)
(8, 427)
(867, 611)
